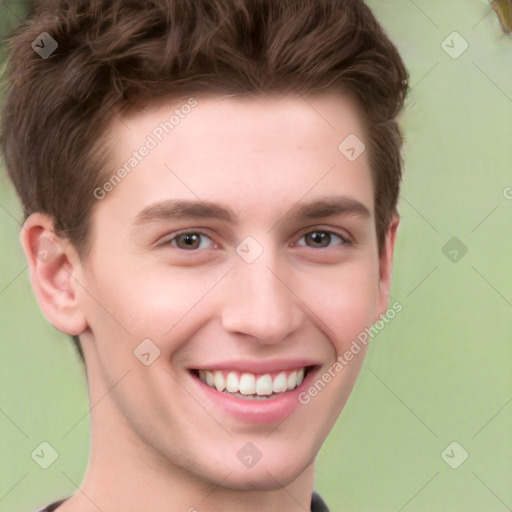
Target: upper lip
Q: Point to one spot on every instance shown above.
(255, 366)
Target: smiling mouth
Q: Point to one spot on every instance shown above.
(251, 386)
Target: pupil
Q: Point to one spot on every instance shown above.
(190, 239)
(320, 238)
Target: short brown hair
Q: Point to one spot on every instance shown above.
(116, 55)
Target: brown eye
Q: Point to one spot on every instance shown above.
(321, 239)
(190, 241)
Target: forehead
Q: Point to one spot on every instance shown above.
(256, 153)
(310, 119)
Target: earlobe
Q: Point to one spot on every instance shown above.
(52, 262)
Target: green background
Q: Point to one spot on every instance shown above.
(440, 372)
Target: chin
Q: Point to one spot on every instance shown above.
(266, 475)
(259, 480)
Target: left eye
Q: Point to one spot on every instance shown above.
(321, 239)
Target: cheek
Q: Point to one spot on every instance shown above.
(125, 308)
(343, 301)
(127, 303)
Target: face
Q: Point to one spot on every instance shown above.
(239, 250)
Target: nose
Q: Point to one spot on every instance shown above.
(260, 301)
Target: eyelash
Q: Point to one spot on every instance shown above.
(344, 239)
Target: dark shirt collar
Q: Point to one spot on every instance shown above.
(317, 504)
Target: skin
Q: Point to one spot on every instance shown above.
(157, 443)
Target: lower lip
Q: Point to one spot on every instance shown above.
(270, 410)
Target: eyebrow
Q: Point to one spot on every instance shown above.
(176, 209)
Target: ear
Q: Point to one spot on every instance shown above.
(53, 262)
(386, 267)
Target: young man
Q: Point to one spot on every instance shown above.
(210, 193)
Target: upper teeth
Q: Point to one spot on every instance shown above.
(250, 384)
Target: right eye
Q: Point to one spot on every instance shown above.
(189, 241)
